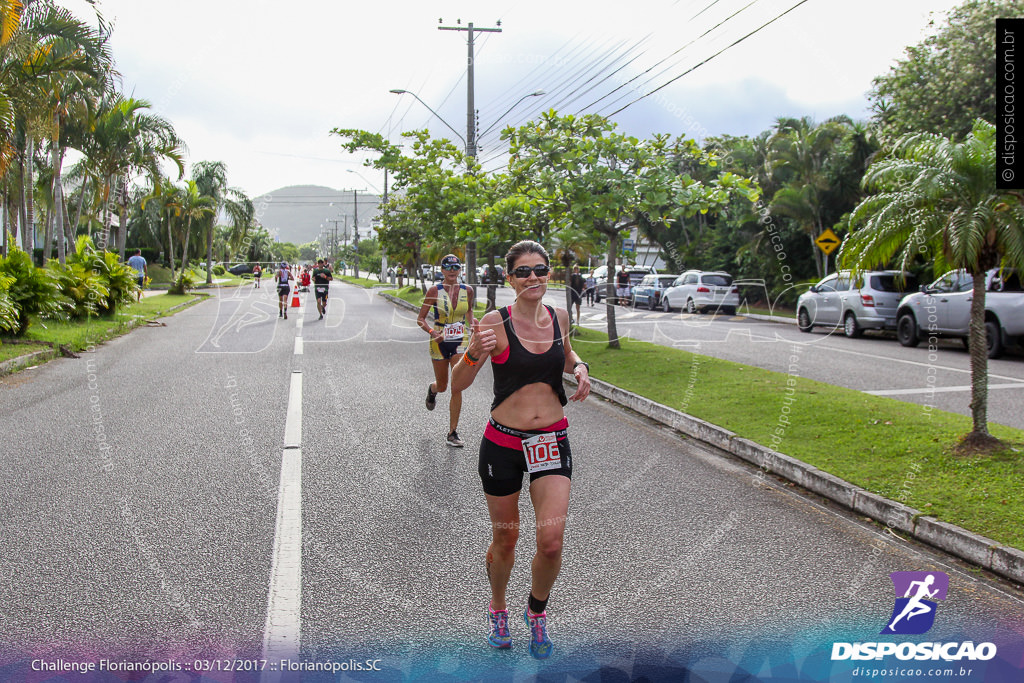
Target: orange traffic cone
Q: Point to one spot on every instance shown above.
(295, 298)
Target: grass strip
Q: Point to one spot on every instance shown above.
(80, 334)
(896, 449)
(359, 281)
(415, 296)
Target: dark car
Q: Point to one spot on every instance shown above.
(240, 269)
(604, 289)
(648, 292)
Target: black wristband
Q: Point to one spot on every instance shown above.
(584, 364)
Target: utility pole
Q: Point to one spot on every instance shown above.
(355, 227)
(470, 122)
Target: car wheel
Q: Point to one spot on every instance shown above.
(650, 303)
(665, 306)
(690, 306)
(906, 330)
(993, 339)
(803, 321)
(728, 310)
(850, 327)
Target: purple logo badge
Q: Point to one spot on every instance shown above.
(916, 593)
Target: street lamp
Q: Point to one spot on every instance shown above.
(498, 120)
(399, 91)
(372, 186)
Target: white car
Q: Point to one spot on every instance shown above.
(696, 290)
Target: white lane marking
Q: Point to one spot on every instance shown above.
(293, 420)
(939, 390)
(281, 634)
(298, 346)
(284, 603)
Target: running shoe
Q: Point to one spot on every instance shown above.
(499, 636)
(454, 440)
(540, 645)
(431, 398)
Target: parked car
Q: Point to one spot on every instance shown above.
(867, 302)
(943, 309)
(649, 290)
(240, 269)
(605, 290)
(697, 290)
(483, 275)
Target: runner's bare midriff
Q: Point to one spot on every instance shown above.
(534, 406)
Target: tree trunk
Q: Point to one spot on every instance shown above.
(104, 237)
(170, 245)
(209, 251)
(28, 199)
(55, 229)
(72, 238)
(122, 216)
(3, 223)
(613, 333)
(184, 249)
(979, 359)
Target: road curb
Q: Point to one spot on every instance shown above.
(1003, 560)
(1006, 561)
(15, 364)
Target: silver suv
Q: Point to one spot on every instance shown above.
(943, 309)
(868, 302)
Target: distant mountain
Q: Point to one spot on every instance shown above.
(298, 213)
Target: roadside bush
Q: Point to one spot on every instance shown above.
(219, 270)
(8, 312)
(184, 283)
(118, 278)
(83, 287)
(31, 290)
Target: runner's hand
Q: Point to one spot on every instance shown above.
(482, 342)
(582, 376)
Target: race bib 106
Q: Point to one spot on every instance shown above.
(542, 453)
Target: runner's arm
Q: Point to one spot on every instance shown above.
(580, 372)
(482, 344)
(428, 302)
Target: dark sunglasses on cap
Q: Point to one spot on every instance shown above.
(540, 270)
(452, 266)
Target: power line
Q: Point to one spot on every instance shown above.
(662, 61)
(692, 69)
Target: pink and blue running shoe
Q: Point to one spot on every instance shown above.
(499, 636)
(540, 645)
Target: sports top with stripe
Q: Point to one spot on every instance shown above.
(517, 367)
(446, 314)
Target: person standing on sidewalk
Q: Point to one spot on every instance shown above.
(283, 278)
(138, 263)
(452, 304)
(529, 348)
(576, 287)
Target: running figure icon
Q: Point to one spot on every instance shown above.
(917, 596)
(915, 607)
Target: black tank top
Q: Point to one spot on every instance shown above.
(522, 367)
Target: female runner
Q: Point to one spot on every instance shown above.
(452, 304)
(529, 348)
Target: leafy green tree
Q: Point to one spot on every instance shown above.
(589, 176)
(937, 196)
(194, 208)
(948, 80)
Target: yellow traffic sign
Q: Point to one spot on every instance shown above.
(828, 241)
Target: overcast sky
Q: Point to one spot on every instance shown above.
(259, 85)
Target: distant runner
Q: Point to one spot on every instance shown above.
(282, 277)
(452, 304)
(321, 285)
(257, 273)
(139, 264)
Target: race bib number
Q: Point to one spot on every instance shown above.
(321, 289)
(454, 332)
(542, 453)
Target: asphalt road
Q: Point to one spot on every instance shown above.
(141, 519)
(875, 363)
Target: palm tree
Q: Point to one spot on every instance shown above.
(125, 139)
(937, 197)
(168, 196)
(195, 207)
